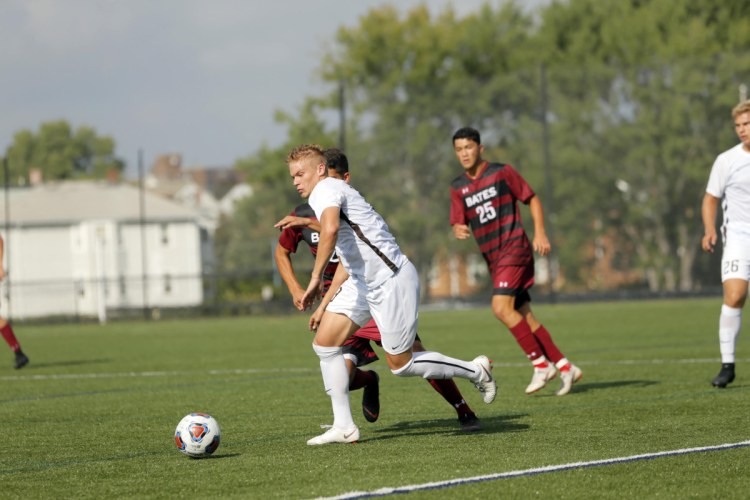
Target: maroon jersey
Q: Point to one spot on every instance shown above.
(292, 236)
(488, 205)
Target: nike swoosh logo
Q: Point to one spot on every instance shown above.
(346, 436)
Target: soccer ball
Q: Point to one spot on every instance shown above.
(197, 435)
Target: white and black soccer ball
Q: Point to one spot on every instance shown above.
(197, 435)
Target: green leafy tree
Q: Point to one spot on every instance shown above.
(626, 102)
(659, 79)
(60, 152)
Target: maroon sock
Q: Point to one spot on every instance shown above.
(449, 390)
(361, 378)
(545, 340)
(526, 339)
(10, 338)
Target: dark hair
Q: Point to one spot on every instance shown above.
(467, 133)
(336, 159)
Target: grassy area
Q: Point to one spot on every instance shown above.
(93, 415)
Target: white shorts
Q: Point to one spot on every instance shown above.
(394, 306)
(735, 260)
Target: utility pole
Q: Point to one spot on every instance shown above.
(142, 220)
(342, 117)
(6, 173)
(548, 191)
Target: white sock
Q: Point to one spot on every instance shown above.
(730, 323)
(336, 384)
(429, 364)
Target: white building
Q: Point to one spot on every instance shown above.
(77, 248)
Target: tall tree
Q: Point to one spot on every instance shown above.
(59, 152)
(657, 81)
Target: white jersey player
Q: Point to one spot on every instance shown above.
(375, 280)
(729, 182)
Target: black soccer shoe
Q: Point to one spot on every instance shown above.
(469, 422)
(371, 399)
(725, 376)
(21, 360)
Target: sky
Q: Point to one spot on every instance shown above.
(201, 78)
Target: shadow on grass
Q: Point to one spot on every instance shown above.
(71, 362)
(611, 385)
(490, 424)
(218, 457)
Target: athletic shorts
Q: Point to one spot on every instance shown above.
(394, 305)
(512, 280)
(735, 259)
(359, 351)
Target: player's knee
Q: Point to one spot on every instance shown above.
(325, 352)
(505, 314)
(401, 369)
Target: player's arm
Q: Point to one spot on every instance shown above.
(457, 217)
(291, 221)
(329, 229)
(461, 231)
(541, 242)
(709, 207)
(283, 258)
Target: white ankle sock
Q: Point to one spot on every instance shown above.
(429, 364)
(730, 323)
(336, 384)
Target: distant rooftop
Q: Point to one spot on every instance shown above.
(69, 202)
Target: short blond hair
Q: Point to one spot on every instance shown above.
(741, 108)
(307, 151)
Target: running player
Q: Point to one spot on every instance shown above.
(483, 201)
(373, 281)
(5, 329)
(729, 181)
(301, 225)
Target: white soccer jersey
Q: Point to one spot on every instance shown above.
(365, 246)
(730, 181)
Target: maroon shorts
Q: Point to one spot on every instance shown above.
(513, 280)
(359, 343)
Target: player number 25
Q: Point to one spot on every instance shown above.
(486, 212)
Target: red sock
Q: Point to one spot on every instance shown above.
(361, 378)
(449, 390)
(10, 338)
(526, 339)
(550, 349)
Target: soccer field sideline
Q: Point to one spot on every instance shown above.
(387, 491)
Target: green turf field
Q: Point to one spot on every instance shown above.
(93, 414)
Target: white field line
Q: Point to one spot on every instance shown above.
(255, 371)
(381, 492)
(74, 376)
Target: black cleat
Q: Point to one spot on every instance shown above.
(469, 422)
(725, 376)
(21, 360)
(371, 400)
